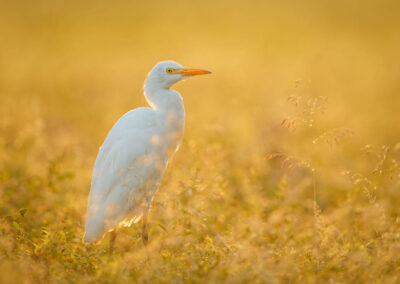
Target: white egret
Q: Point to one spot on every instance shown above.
(131, 162)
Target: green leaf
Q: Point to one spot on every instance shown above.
(208, 240)
(22, 211)
(16, 225)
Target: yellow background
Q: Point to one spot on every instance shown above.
(227, 210)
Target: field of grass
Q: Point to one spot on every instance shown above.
(289, 171)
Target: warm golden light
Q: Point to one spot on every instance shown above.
(289, 168)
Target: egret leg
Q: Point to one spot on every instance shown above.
(113, 236)
(145, 233)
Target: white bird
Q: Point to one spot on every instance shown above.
(131, 162)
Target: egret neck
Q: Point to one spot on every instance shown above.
(169, 106)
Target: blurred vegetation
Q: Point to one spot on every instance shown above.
(289, 169)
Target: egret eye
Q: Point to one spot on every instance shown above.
(169, 70)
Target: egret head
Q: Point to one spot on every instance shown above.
(167, 73)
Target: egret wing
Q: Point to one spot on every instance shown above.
(125, 162)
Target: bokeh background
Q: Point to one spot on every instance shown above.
(289, 168)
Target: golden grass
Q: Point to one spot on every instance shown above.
(289, 171)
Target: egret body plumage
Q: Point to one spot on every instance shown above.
(131, 162)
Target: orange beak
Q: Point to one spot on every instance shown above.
(192, 72)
